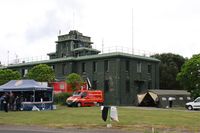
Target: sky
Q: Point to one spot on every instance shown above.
(29, 28)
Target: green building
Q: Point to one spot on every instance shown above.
(121, 75)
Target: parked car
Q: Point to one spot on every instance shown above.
(194, 104)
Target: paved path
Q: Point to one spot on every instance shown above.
(32, 129)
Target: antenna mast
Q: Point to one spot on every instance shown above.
(73, 25)
(102, 45)
(132, 33)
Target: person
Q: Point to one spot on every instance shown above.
(11, 101)
(5, 101)
(1, 102)
(18, 103)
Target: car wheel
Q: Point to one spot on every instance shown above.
(78, 104)
(189, 107)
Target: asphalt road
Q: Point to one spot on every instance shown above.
(21, 129)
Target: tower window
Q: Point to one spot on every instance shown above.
(94, 66)
(149, 68)
(139, 67)
(63, 69)
(83, 67)
(106, 67)
(127, 65)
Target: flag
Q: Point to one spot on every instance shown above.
(104, 112)
(113, 113)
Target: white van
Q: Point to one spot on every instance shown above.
(193, 105)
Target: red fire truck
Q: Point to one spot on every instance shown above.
(83, 98)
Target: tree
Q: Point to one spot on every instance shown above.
(7, 75)
(74, 79)
(189, 76)
(41, 73)
(170, 66)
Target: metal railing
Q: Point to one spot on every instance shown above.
(103, 51)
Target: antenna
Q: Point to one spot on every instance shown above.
(73, 21)
(132, 33)
(8, 57)
(102, 45)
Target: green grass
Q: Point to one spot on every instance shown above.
(90, 117)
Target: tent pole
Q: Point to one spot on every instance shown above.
(34, 96)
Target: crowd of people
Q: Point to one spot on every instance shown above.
(10, 102)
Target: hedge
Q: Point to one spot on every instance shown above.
(60, 98)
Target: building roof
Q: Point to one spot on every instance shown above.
(84, 48)
(52, 53)
(170, 92)
(87, 57)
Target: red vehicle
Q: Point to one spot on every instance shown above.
(82, 98)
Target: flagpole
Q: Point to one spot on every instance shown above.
(132, 32)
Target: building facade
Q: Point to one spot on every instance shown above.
(120, 75)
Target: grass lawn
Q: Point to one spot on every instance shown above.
(90, 117)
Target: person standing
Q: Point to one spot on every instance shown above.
(11, 101)
(18, 103)
(5, 102)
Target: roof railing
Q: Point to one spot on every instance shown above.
(104, 51)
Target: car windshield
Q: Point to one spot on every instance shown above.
(197, 100)
(76, 93)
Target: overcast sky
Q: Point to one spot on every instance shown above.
(29, 28)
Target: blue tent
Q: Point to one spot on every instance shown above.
(34, 94)
(23, 85)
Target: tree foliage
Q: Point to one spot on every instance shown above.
(7, 75)
(170, 66)
(41, 73)
(74, 79)
(189, 76)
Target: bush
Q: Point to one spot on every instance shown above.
(60, 98)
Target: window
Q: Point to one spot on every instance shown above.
(94, 84)
(106, 67)
(149, 85)
(63, 46)
(127, 86)
(197, 100)
(106, 85)
(149, 68)
(94, 66)
(188, 98)
(63, 69)
(139, 67)
(24, 72)
(164, 98)
(53, 67)
(83, 67)
(63, 55)
(127, 65)
(62, 86)
(180, 98)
